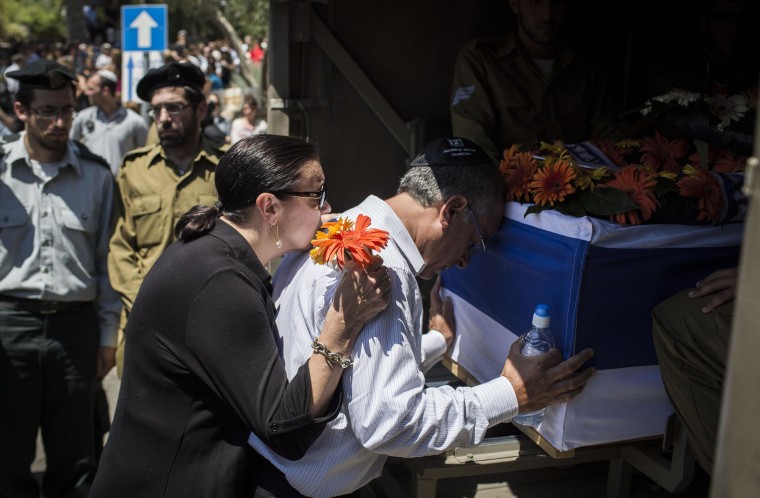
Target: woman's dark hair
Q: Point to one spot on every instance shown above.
(251, 101)
(254, 165)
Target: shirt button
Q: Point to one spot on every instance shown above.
(275, 427)
(44, 214)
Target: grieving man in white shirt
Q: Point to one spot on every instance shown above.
(447, 204)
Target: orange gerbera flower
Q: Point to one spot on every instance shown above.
(663, 154)
(341, 243)
(702, 186)
(517, 176)
(553, 182)
(637, 185)
(507, 157)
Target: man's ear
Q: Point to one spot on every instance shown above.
(20, 111)
(201, 110)
(451, 207)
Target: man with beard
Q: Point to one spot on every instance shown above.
(59, 315)
(159, 183)
(525, 86)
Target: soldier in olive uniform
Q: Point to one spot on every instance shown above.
(527, 87)
(59, 315)
(159, 183)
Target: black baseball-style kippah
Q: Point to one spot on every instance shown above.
(43, 74)
(451, 151)
(171, 74)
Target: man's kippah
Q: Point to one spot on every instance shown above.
(43, 74)
(171, 74)
(108, 75)
(451, 151)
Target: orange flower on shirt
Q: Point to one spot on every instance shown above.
(702, 186)
(342, 241)
(552, 183)
(637, 185)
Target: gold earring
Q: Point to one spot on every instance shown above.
(277, 241)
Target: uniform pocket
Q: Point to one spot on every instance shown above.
(13, 216)
(74, 218)
(146, 216)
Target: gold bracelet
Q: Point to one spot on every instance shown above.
(336, 358)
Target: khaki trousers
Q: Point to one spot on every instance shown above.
(692, 347)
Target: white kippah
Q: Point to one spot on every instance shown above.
(109, 75)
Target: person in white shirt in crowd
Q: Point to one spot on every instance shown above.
(11, 84)
(104, 60)
(249, 123)
(106, 127)
(448, 204)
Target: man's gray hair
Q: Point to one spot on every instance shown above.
(480, 184)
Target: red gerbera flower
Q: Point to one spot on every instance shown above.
(553, 182)
(722, 160)
(702, 186)
(518, 175)
(343, 243)
(728, 162)
(662, 154)
(612, 152)
(637, 185)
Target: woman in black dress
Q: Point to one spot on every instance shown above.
(201, 365)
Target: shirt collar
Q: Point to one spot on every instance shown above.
(509, 45)
(18, 152)
(208, 151)
(121, 111)
(384, 217)
(243, 251)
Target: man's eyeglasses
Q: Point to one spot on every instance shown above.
(319, 194)
(477, 246)
(50, 112)
(172, 109)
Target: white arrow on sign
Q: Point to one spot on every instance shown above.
(144, 23)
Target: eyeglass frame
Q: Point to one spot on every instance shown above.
(320, 195)
(475, 247)
(65, 113)
(152, 110)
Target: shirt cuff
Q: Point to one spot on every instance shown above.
(433, 348)
(498, 399)
(109, 335)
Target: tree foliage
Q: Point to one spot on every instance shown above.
(24, 20)
(48, 20)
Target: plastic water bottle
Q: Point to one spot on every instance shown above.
(535, 342)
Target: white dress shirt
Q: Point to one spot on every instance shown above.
(387, 409)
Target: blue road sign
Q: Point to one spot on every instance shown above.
(144, 27)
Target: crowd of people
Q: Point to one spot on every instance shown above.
(216, 58)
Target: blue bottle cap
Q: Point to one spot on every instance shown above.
(542, 310)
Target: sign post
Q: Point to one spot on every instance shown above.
(143, 38)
